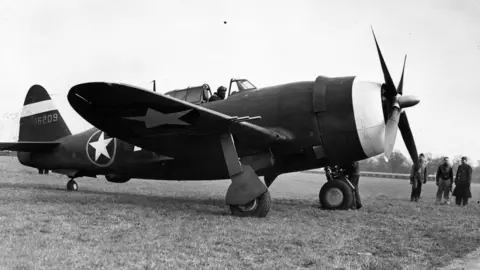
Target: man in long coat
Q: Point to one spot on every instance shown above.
(463, 180)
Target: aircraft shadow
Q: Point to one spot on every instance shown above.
(200, 205)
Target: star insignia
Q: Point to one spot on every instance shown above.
(100, 146)
(154, 118)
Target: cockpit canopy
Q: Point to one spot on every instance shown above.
(195, 95)
(201, 94)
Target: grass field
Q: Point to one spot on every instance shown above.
(178, 225)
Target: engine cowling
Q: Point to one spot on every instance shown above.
(117, 178)
(350, 118)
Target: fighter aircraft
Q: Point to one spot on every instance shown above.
(253, 132)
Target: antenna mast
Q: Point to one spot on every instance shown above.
(154, 86)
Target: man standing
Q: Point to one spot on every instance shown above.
(463, 180)
(355, 181)
(418, 175)
(353, 172)
(444, 180)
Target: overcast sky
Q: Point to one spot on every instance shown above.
(183, 43)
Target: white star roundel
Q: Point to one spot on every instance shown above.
(101, 149)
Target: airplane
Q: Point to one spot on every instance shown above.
(253, 132)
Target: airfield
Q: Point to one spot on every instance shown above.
(177, 225)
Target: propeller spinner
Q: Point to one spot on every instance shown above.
(394, 105)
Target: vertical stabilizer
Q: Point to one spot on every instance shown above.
(40, 120)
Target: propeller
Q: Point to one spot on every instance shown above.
(394, 104)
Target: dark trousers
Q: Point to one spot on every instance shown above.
(462, 193)
(355, 179)
(416, 190)
(461, 200)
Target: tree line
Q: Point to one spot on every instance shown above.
(399, 163)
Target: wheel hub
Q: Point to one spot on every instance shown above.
(249, 206)
(334, 196)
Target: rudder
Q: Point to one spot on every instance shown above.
(40, 119)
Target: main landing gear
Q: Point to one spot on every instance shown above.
(247, 196)
(72, 185)
(338, 193)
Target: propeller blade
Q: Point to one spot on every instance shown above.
(400, 85)
(407, 135)
(391, 131)
(388, 79)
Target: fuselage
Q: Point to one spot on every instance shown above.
(318, 118)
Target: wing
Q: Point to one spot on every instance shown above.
(152, 120)
(28, 146)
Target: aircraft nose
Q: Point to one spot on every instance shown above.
(368, 113)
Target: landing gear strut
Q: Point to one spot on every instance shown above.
(72, 185)
(247, 196)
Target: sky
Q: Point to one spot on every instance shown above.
(59, 44)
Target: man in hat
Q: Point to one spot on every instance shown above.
(463, 180)
(219, 95)
(444, 181)
(418, 175)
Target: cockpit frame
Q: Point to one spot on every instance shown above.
(242, 85)
(196, 94)
(201, 94)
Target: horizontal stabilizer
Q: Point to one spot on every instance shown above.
(28, 146)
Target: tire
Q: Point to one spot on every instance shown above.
(340, 187)
(257, 208)
(72, 185)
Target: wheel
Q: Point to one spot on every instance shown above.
(336, 195)
(256, 208)
(72, 185)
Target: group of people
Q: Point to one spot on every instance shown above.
(444, 180)
(419, 176)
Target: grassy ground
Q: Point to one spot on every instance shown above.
(178, 225)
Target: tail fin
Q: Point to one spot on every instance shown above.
(40, 120)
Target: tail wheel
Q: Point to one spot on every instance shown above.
(256, 208)
(72, 185)
(336, 195)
